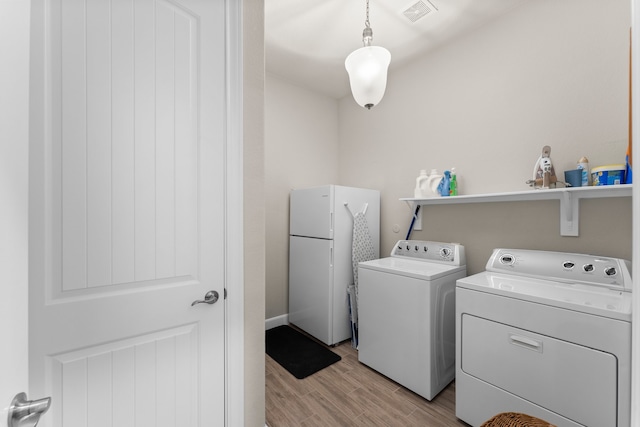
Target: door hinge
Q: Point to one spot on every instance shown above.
(225, 293)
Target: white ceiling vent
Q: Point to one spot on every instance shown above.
(420, 9)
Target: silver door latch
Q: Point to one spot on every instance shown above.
(26, 413)
(209, 298)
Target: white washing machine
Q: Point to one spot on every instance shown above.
(547, 334)
(406, 314)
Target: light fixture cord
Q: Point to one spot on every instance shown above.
(367, 34)
(366, 22)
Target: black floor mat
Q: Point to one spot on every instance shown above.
(298, 354)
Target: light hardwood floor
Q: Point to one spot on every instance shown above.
(349, 393)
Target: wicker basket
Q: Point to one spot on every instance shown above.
(515, 419)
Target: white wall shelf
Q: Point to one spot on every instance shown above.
(569, 201)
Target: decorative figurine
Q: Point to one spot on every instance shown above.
(544, 175)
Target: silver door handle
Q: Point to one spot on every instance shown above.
(209, 298)
(26, 413)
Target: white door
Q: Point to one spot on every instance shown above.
(14, 133)
(126, 219)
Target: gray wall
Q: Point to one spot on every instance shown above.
(552, 72)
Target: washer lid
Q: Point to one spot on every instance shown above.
(578, 297)
(418, 269)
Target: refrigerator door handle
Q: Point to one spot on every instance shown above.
(331, 256)
(331, 224)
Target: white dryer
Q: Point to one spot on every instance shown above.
(547, 334)
(406, 312)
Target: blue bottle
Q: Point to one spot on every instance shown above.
(445, 182)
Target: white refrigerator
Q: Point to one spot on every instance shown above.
(320, 256)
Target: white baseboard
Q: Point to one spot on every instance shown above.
(276, 321)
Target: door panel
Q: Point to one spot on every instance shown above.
(115, 199)
(127, 225)
(138, 381)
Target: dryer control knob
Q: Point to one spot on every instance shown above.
(507, 259)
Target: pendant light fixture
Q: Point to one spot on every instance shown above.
(367, 68)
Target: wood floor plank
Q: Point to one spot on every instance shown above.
(335, 379)
(382, 405)
(313, 421)
(365, 375)
(349, 393)
(368, 419)
(282, 395)
(327, 411)
(338, 391)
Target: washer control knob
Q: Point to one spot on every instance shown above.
(610, 271)
(507, 259)
(588, 268)
(568, 265)
(445, 252)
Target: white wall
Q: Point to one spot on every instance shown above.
(552, 72)
(301, 150)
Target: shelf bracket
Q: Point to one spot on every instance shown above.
(569, 214)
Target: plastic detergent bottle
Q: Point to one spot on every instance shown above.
(453, 185)
(421, 185)
(427, 185)
(445, 184)
(433, 182)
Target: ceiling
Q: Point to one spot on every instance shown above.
(307, 41)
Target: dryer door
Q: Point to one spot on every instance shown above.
(574, 381)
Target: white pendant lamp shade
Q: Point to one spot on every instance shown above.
(367, 68)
